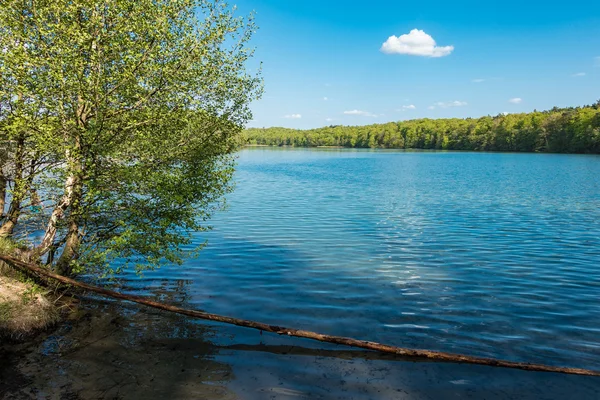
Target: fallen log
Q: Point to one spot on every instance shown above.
(384, 348)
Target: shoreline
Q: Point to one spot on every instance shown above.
(408, 150)
(101, 354)
(121, 351)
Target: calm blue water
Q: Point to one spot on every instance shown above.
(483, 254)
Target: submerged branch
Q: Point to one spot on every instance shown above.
(384, 348)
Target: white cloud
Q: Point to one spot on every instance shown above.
(409, 107)
(449, 104)
(516, 100)
(416, 43)
(328, 119)
(478, 80)
(431, 108)
(579, 74)
(361, 113)
(293, 116)
(325, 98)
(597, 61)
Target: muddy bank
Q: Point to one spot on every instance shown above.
(114, 352)
(121, 351)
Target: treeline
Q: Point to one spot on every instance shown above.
(560, 130)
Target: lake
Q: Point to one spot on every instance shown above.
(485, 254)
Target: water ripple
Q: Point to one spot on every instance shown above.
(486, 254)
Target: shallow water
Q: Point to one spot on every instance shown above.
(127, 352)
(484, 254)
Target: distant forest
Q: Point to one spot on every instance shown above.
(560, 130)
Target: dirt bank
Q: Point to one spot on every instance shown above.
(25, 309)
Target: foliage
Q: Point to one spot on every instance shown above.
(122, 116)
(568, 130)
(8, 246)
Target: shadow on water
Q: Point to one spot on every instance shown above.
(294, 350)
(279, 284)
(120, 350)
(117, 351)
(123, 351)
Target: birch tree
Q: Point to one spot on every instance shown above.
(128, 111)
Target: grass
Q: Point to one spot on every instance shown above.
(11, 248)
(25, 308)
(6, 246)
(6, 311)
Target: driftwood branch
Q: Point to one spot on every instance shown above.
(425, 354)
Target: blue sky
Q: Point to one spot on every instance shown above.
(324, 62)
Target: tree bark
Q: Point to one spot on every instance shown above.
(73, 238)
(3, 178)
(3, 183)
(384, 348)
(12, 217)
(70, 250)
(71, 199)
(57, 213)
(19, 191)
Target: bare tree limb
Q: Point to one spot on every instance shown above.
(384, 348)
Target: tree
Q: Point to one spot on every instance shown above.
(572, 130)
(130, 110)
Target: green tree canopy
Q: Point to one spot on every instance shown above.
(566, 130)
(122, 114)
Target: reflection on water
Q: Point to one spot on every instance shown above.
(485, 254)
(128, 352)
